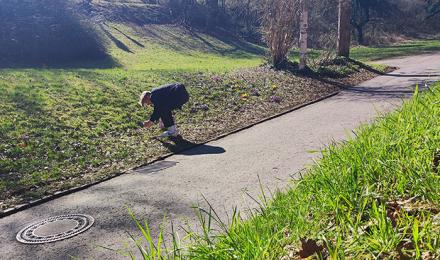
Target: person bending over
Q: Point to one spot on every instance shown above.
(164, 99)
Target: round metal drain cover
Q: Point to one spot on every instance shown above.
(55, 228)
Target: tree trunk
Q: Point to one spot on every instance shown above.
(303, 35)
(344, 28)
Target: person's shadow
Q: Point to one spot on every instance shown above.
(181, 146)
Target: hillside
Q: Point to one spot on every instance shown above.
(76, 33)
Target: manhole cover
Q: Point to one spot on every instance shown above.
(55, 228)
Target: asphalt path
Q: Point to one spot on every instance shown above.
(225, 172)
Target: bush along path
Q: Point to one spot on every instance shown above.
(374, 196)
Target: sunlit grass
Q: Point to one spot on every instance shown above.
(175, 49)
(375, 196)
(402, 49)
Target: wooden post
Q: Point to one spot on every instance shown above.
(304, 24)
(344, 30)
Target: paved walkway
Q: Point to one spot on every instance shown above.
(222, 170)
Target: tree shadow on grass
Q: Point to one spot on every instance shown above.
(179, 145)
(331, 76)
(128, 37)
(240, 46)
(27, 101)
(116, 41)
(186, 40)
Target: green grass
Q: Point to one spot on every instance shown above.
(175, 49)
(374, 196)
(398, 50)
(58, 126)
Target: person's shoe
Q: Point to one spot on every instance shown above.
(171, 132)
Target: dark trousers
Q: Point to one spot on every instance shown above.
(167, 115)
(167, 118)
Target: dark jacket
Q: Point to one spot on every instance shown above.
(166, 98)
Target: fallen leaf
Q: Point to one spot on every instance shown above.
(309, 248)
(393, 210)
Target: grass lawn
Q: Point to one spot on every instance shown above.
(370, 54)
(398, 50)
(374, 196)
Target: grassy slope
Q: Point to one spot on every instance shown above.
(375, 196)
(165, 48)
(56, 124)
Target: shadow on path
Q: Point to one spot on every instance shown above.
(181, 146)
(386, 92)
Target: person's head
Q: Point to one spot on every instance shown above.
(145, 99)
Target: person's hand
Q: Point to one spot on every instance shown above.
(148, 124)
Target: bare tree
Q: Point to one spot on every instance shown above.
(304, 24)
(278, 27)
